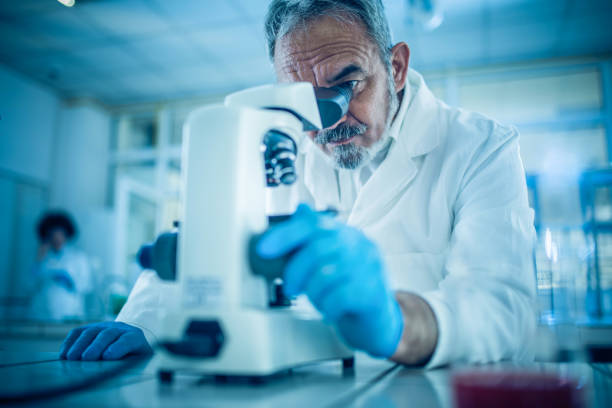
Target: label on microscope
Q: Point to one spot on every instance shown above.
(202, 292)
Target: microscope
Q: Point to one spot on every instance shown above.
(231, 318)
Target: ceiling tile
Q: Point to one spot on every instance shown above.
(146, 83)
(56, 70)
(124, 18)
(111, 89)
(92, 86)
(198, 13)
(168, 50)
(255, 9)
(109, 59)
(16, 42)
(136, 50)
(235, 41)
(207, 78)
(20, 8)
(63, 28)
(260, 71)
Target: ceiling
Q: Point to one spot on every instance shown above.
(128, 51)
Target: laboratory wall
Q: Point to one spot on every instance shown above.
(28, 114)
(27, 126)
(79, 162)
(52, 155)
(79, 186)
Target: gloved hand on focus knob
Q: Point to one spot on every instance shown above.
(341, 272)
(104, 341)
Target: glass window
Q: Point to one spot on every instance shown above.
(173, 175)
(172, 211)
(533, 98)
(558, 158)
(562, 151)
(171, 203)
(178, 119)
(142, 172)
(603, 210)
(140, 230)
(136, 131)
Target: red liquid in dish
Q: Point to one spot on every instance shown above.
(516, 389)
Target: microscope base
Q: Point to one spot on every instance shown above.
(251, 343)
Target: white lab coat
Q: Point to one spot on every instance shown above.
(52, 300)
(448, 209)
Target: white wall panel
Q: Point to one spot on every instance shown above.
(27, 125)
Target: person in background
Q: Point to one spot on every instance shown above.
(62, 275)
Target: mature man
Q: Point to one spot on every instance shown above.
(432, 264)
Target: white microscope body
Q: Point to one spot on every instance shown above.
(222, 323)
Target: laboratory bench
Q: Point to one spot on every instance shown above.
(371, 383)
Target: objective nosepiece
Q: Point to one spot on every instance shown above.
(279, 157)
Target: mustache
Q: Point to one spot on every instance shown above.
(340, 133)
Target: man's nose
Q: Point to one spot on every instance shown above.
(340, 121)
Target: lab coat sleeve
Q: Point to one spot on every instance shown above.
(145, 304)
(484, 306)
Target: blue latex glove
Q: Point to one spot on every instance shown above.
(104, 341)
(63, 278)
(341, 272)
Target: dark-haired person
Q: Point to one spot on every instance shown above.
(62, 272)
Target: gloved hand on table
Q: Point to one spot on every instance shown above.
(104, 341)
(341, 272)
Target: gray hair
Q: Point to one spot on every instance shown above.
(286, 15)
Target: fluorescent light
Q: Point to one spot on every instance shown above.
(67, 3)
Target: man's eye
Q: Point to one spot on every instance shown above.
(351, 84)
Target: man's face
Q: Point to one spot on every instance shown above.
(327, 53)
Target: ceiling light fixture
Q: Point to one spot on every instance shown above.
(67, 3)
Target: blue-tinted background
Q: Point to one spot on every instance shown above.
(93, 97)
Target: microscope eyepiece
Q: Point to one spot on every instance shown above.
(333, 103)
(280, 150)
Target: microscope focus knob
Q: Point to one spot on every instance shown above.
(160, 255)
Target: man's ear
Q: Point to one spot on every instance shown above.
(400, 57)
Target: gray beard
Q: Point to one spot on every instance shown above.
(352, 157)
(349, 156)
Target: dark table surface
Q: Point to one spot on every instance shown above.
(372, 383)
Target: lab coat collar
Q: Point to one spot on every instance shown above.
(419, 131)
(415, 132)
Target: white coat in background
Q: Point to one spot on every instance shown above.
(448, 209)
(53, 300)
